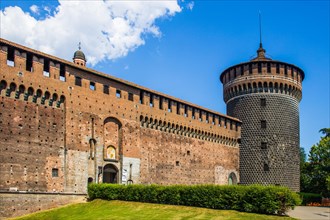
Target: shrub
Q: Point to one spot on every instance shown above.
(310, 198)
(253, 198)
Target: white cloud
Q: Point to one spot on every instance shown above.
(34, 9)
(106, 29)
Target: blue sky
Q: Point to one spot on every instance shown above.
(185, 49)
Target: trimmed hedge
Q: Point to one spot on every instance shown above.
(308, 198)
(252, 198)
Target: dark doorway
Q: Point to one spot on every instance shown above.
(110, 173)
(232, 180)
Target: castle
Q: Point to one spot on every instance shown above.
(63, 126)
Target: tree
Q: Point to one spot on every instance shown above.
(316, 172)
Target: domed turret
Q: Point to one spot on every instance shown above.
(79, 57)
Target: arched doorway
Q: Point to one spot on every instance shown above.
(232, 179)
(110, 174)
(90, 180)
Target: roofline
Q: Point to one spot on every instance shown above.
(261, 61)
(125, 82)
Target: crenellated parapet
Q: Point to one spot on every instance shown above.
(262, 76)
(33, 70)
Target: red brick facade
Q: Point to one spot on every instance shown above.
(64, 125)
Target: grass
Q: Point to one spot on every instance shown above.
(101, 209)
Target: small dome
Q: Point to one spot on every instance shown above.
(79, 55)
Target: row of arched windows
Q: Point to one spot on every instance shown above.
(265, 87)
(30, 94)
(185, 131)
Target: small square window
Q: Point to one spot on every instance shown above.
(130, 96)
(177, 163)
(263, 124)
(263, 145)
(54, 172)
(263, 102)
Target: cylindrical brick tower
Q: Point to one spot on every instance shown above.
(265, 94)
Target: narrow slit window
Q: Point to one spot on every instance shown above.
(10, 56)
(178, 108)
(151, 103)
(259, 68)
(185, 111)
(62, 72)
(105, 89)
(78, 81)
(92, 86)
(193, 114)
(141, 97)
(29, 62)
(285, 70)
(250, 68)
(46, 68)
(130, 96)
(263, 124)
(118, 93)
(161, 103)
(277, 68)
(169, 109)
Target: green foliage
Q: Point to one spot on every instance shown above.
(325, 131)
(308, 198)
(253, 198)
(316, 172)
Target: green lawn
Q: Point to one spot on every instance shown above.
(100, 209)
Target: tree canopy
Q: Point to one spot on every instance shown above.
(315, 173)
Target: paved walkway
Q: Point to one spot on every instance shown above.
(310, 213)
